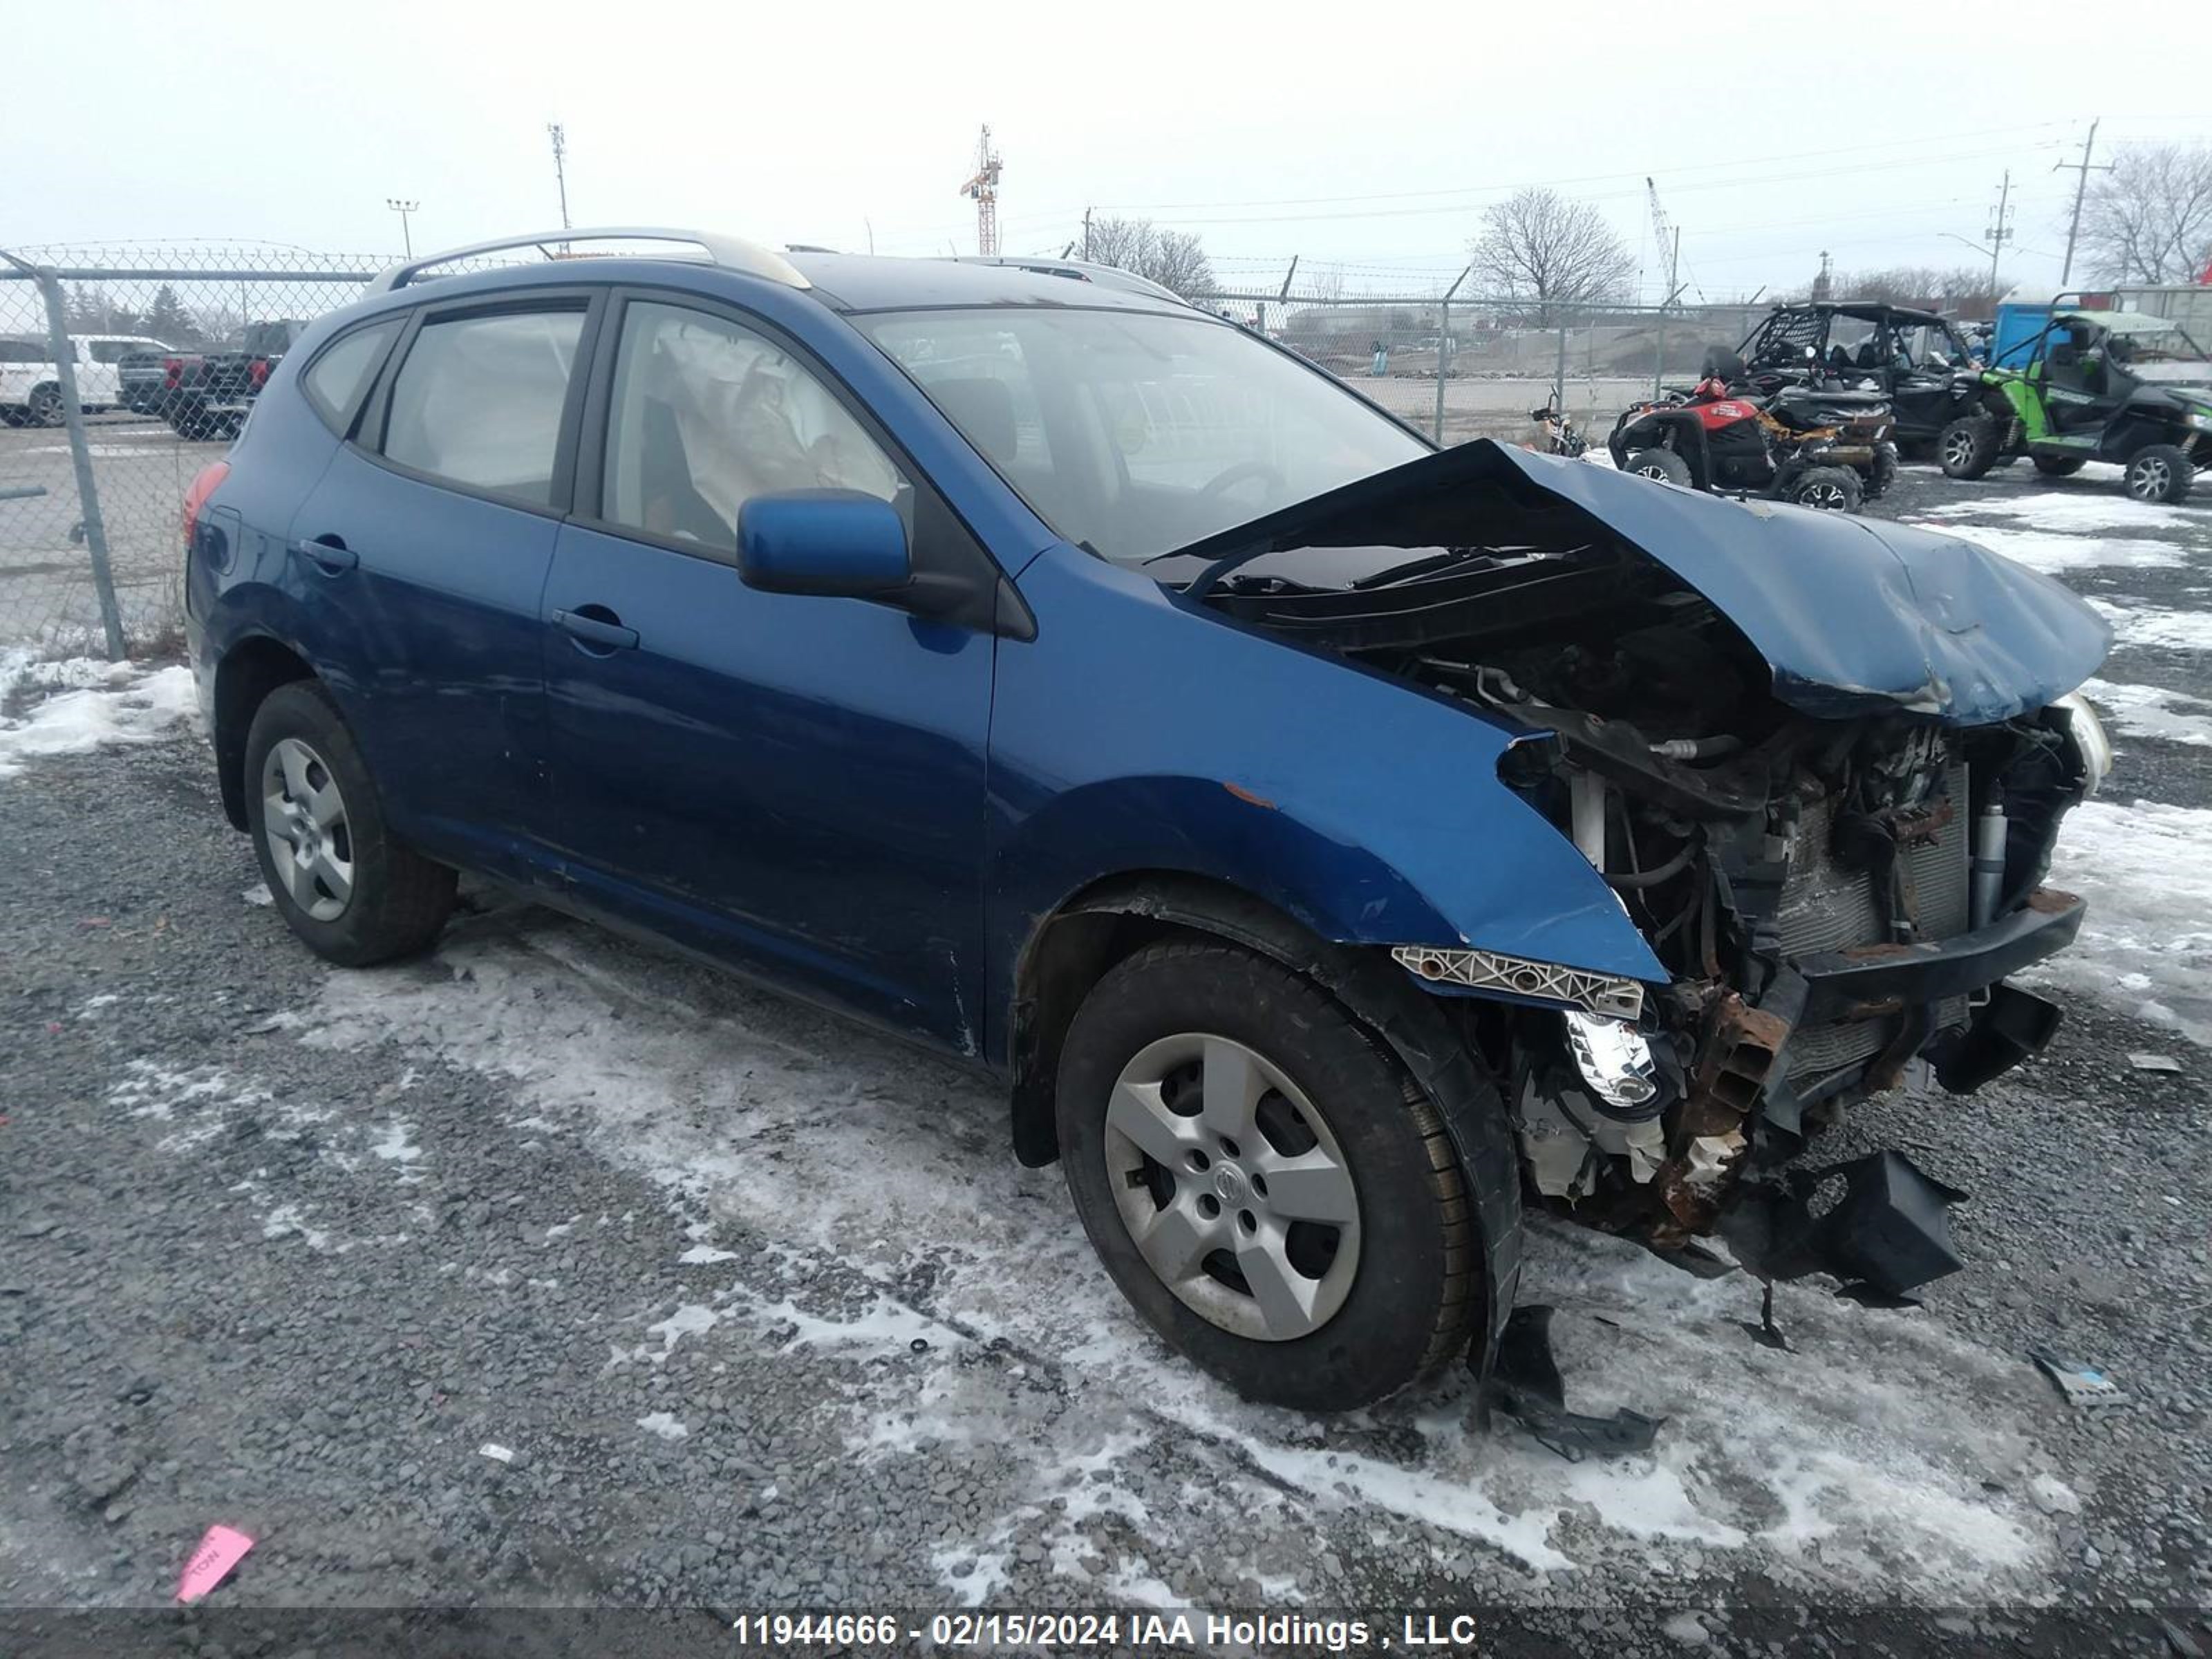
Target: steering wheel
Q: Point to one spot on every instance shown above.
(1229, 478)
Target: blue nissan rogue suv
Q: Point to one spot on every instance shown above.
(1335, 843)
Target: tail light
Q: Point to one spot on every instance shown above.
(256, 372)
(172, 372)
(209, 480)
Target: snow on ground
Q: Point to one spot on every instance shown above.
(1868, 1458)
(2052, 551)
(2095, 511)
(2150, 711)
(2153, 628)
(91, 704)
(2145, 870)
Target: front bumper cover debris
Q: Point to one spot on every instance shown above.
(1888, 1232)
(1525, 1384)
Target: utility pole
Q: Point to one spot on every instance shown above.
(1998, 233)
(2082, 170)
(1086, 234)
(403, 209)
(559, 135)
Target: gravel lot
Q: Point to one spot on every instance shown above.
(767, 1317)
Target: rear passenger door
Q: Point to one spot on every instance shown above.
(421, 556)
(789, 781)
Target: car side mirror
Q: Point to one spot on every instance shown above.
(836, 543)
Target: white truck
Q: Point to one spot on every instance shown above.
(30, 380)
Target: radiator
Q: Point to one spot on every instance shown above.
(1825, 907)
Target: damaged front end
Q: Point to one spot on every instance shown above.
(1827, 804)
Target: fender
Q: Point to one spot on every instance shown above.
(1137, 734)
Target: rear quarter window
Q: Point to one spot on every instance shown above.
(337, 379)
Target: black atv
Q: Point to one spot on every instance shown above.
(2093, 385)
(1916, 359)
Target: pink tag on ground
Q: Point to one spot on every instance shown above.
(219, 1552)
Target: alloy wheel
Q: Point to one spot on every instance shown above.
(2149, 479)
(1828, 497)
(1958, 449)
(1233, 1188)
(310, 838)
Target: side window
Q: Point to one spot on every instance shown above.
(706, 415)
(479, 400)
(23, 351)
(110, 352)
(338, 377)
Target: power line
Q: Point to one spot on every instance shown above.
(1918, 143)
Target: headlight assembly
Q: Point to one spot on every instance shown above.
(2087, 732)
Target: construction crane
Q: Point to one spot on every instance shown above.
(1669, 241)
(984, 187)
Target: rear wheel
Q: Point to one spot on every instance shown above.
(2060, 466)
(1275, 1197)
(1968, 447)
(348, 890)
(2161, 473)
(44, 408)
(1663, 465)
(1830, 489)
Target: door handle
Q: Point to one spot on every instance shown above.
(605, 631)
(330, 554)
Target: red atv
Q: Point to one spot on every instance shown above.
(1786, 441)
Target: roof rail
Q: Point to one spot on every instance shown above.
(730, 252)
(1081, 270)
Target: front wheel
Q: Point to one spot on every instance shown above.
(1275, 1197)
(2161, 473)
(1968, 447)
(44, 408)
(1664, 465)
(353, 894)
(1830, 489)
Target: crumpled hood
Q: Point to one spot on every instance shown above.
(1854, 616)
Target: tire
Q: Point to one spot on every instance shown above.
(2159, 474)
(1365, 1307)
(1968, 447)
(44, 408)
(1882, 473)
(301, 762)
(1662, 464)
(1830, 489)
(2059, 466)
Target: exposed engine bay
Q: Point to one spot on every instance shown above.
(1834, 899)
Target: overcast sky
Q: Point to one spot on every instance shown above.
(1368, 135)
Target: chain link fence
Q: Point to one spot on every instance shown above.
(1500, 359)
(123, 371)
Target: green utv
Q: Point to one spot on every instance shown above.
(2093, 385)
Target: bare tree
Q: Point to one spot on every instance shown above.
(2149, 219)
(1541, 246)
(1174, 259)
(1963, 290)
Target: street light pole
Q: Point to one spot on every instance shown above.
(403, 209)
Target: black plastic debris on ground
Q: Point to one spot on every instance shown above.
(1526, 1385)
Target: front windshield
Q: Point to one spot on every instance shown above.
(1134, 433)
